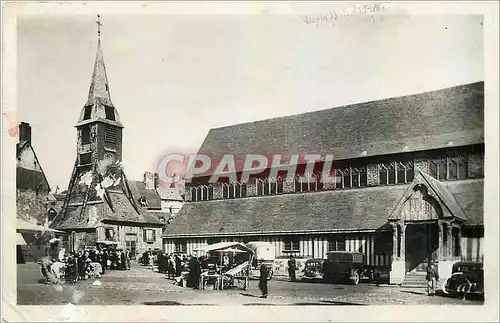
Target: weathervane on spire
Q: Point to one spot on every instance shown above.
(99, 24)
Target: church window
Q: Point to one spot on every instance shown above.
(339, 179)
(86, 159)
(87, 112)
(358, 176)
(110, 113)
(269, 186)
(234, 190)
(308, 183)
(291, 244)
(438, 168)
(336, 243)
(387, 173)
(86, 135)
(110, 134)
(404, 172)
(347, 177)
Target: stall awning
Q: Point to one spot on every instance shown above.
(23, 225)
(227, 245)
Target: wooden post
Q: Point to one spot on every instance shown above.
(403, 242)
(459, 241)
(440, 241)
(394, 241)
(449, 242)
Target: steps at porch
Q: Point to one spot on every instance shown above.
(414, 281)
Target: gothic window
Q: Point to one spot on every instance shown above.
(110, 134)
(438, 168)
(87, 112)
(291, 244)
(110, 113)
(207, 193)
(336, 243)
(457, 167)
(86, 135)
(387, 173)
(404, 172)
(339, 178)
(308, 183)
(347, 177)
(269, 186)
(86, 159)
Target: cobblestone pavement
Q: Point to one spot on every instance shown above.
(143, 286)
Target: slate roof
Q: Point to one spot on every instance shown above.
(94, 213)
(417, 122)
(326, 211)
(139, 190)
(28, 178)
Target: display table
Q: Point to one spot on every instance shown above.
(206, 277)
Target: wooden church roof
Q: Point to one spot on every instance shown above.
(447, 117)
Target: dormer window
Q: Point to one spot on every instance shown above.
(143, 201)
(110, 113)
(87, 112)
(107, 87)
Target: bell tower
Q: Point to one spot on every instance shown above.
(99, 128)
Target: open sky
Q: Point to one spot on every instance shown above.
(174, 77)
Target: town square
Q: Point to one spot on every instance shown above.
(256, 160)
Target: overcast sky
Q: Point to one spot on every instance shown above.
(173, 78)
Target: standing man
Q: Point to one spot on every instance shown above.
(264, 272)
(292, 266)
(127, 259)
(432, 277)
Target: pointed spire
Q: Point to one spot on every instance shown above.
(99, 87)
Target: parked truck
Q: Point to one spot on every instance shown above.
(264, 252)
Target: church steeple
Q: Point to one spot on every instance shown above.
(99, 106)
(99, 86)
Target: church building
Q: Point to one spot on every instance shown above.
(407, 188)
(99, 204)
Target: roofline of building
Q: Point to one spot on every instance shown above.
(353, 104)
(274, 233)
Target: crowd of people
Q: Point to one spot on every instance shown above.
(58, 266)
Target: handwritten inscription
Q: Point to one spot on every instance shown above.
(364, 11)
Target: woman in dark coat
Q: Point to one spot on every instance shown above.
(264, 272)
(178, 266)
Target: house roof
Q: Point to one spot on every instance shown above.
(169, 193)
(452, 116)
(28, 178)
(90, 216)
(326, 211)
(87, 207)
(139, 190)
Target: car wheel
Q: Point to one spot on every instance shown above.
(355, 278)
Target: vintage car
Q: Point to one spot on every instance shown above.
(313, 269)
(467, 278)
(344, 266)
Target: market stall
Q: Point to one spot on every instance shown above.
(231, 264)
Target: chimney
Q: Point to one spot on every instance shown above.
(149, 181)
(25, 132)
(157, 180)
